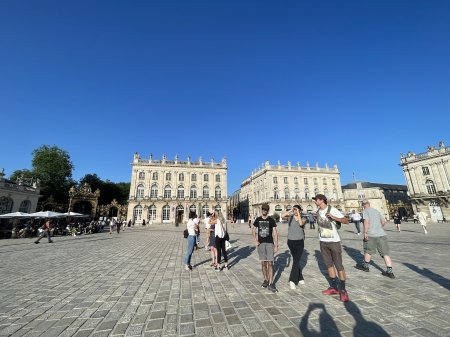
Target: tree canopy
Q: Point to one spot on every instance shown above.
(108, 189)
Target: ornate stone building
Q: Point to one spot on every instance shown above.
(428, 181)
(19, 196)
(163, 191)
(284, 186)
(387, 198)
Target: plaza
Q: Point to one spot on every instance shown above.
(133, 284)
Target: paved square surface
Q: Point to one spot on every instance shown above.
(133, 284)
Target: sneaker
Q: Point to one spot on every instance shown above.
(359, 233)
(272, 288)
(390, 275)
(301, 282)
(292, 285)
(217, 268)
(265, 284)
(36, 242)
(330, 291)
(50, 242)
(343, 295)
(426, 232)
(360, 266)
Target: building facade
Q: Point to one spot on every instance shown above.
(19, 196)
(164, 191)
(428, 181)
(282, 186)
(387, 198)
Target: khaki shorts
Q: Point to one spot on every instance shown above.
(265, 251)
(377, 243)
(332, 254)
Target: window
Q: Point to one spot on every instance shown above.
(218, 208)
(166, 212)
(193, 209)
(333, 181)
(140, 191)
(217, 178)
(288, 208)
(305, 181)
(152, 212)
(325, 192)
(295, 180)
(278, 208)
(285, 180)
(430, 187)
(193, 192)
(275, 194)
(205, 191)
(275, 180)
(155, 176)
(6, 205)
(335, 195)
(168, 176)
(205, 209)
(286, 193)
(167, 192)
(181, 177)
(206, 177)
(306, 194)
(315, 181)
(193, 177)
(218, 193)
(137, 213)
(426, 171)
(180, 192)
(25, 206)
(297, 193)
(141, 175)
(154, 191)
(316, 191)
(324, 181)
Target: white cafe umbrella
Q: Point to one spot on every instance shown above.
(47, 214)
(75, 215)
(15, 215)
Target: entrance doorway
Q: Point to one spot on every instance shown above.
(179, 215)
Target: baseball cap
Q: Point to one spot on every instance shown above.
(320, 196)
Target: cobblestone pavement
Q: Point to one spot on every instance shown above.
(132, 284)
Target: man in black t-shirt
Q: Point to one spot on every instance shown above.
(266, 241)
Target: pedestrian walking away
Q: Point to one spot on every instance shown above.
(375, 239)
(219, 232)
(212, 240)
(311, 221)
(265, 236)
(328, 221)
(191, 226)
(356, 219)
(398, 221)
(46, 230)
(249, 221)
(296, 243)
(423, 219)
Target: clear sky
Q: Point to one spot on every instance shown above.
(352, 83)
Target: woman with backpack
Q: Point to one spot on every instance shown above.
(296, 243)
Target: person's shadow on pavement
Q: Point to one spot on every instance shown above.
(364, 327)
(327, 325)
(236, 255)
(280, 262)
(442, 281)
(358, 256)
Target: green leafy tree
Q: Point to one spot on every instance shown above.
(26, 174)
(53, 167)
(108, 189)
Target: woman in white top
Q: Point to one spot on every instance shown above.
(192, 226)
(219, 232)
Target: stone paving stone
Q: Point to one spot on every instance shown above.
(155, 324)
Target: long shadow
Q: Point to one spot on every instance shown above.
(280, 262)
(242, 253)
(363, 327)
(358, 257)
(304, 259)
(442, 281)
(327, 326)
(322, 267)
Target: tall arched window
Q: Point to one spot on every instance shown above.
(6, 205)
(276, 194)
(166, 212)
(155, 176)
(192, 208)
(141, 175)
(168, 176)
(217, 178)
(325, 192)
(307, 196)
(278, 208)
(137, 213)
(152, 212)
(205, 209)
(180, 192)
(286, 193)
(193, 177)
(218, 193)
(324, 181)
(140, 191)
(206, 177)
(167, 191)
(154, 191)
(193, 192)
(181, 177)
(288, 208)
(218, 208)
(297, 193)
(335, 195)
(430, 187)
(316, 191)
(205, 191)
(25, 206)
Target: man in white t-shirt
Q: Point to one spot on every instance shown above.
(356, 219)
(423, 219)
(328, 218)
(207, 226)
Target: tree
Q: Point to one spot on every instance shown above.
(53, 167)
(26, 174)
(108, 189)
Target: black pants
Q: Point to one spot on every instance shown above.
(296, 247)
(220, 246)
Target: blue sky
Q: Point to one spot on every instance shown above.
(352, 83)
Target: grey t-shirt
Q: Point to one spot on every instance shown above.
(375, 218)
(295, 232)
